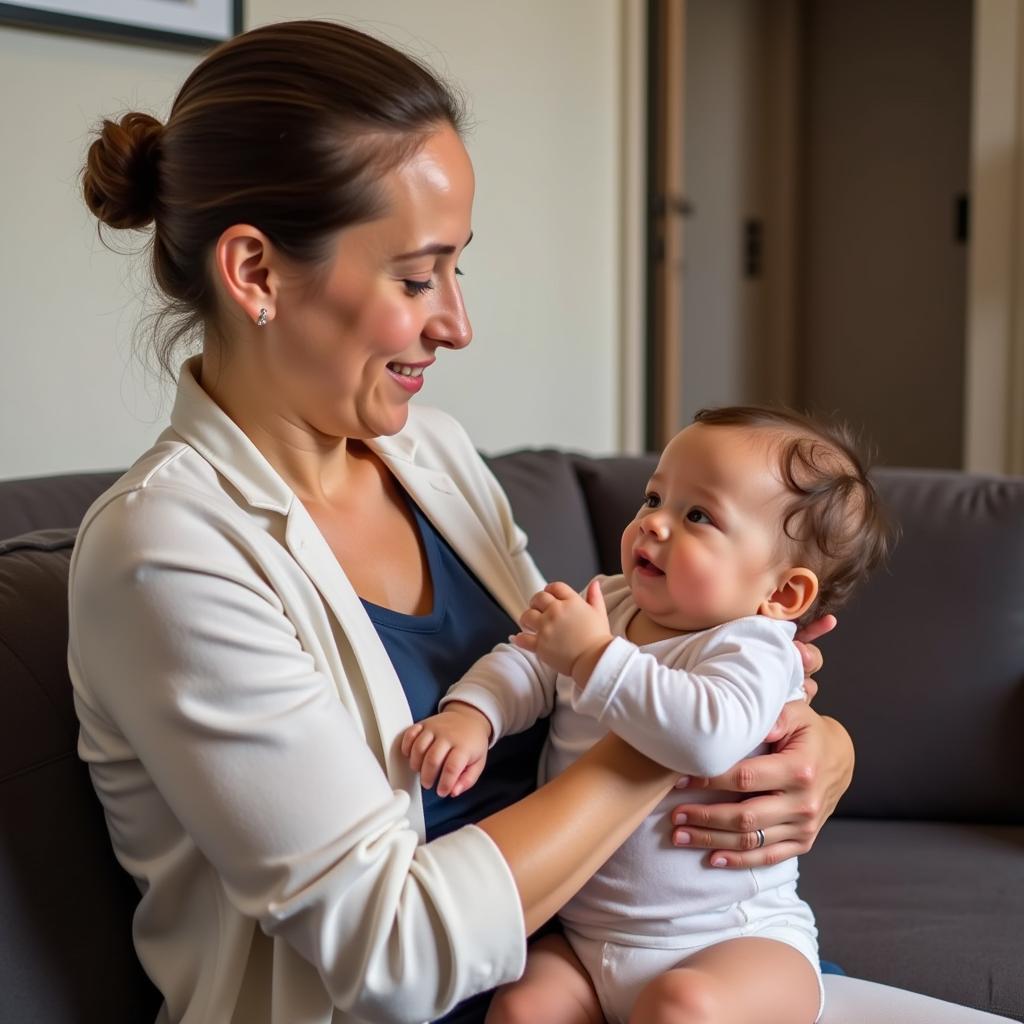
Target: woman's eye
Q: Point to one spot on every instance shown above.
(651, 501)
(459, 273)
(414, 288)
(698, 515)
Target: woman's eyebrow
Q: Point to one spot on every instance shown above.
(436, 249)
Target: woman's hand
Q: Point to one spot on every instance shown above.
(794, 789)
(809, 654)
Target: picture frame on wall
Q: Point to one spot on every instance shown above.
(182, 24)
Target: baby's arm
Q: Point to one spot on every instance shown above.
(504, 692)
(699, 721)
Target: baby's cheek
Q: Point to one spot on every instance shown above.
(707, 581)
(629, 536)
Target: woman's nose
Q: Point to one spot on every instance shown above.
(450, 325)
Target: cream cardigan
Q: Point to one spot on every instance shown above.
(241, 722)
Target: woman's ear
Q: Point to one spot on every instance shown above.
(794, 595)
(243, 261)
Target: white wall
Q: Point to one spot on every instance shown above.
(542, 276)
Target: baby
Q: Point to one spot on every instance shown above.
(754, 521)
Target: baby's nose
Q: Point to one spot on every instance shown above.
(656, 527)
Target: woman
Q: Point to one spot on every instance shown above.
(302, 562)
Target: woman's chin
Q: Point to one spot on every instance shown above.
(386, 422)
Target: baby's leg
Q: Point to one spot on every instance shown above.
(554, 989)
(741, 981)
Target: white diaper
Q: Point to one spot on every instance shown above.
(619, 972)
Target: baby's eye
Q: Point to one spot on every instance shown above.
(698, 515)
(651, 500)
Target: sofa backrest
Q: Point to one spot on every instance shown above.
(46, 502)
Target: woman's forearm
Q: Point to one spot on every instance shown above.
(557, 837)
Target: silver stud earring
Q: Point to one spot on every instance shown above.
(261, 320)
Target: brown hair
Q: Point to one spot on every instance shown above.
(834, 515)
(288, 128)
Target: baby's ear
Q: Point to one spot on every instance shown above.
(793, 595)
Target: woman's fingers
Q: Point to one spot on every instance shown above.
(817, 628)
(735, 842)
(764, 857)
(809, 654)
(764, 773)
(768, 811)
(811, 658)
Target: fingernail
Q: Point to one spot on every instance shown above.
(718, 862)
(679, 819)
(684, 781)
(682, 838)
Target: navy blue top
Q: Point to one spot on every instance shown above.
(432, 651)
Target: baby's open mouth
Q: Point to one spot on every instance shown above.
(647, 567)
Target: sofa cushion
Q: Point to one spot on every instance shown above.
(548, 504)
(926, 668)
(932, 907)
(50, 501)
(66, 927)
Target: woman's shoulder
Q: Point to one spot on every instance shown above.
(169, 493)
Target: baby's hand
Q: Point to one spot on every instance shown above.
(565, 631)
(452, 742)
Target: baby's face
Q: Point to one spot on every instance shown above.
(705, 546)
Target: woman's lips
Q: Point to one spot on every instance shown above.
(408, 375)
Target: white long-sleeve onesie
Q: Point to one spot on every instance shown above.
(697, 703)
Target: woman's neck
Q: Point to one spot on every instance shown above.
(316, 467)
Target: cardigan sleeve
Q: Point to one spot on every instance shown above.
(180, 644)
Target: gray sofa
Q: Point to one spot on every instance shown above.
(918, 881)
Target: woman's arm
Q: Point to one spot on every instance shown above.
(557, 837)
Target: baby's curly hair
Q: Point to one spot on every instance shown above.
(835, 516)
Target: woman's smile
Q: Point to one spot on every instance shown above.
(408, 375)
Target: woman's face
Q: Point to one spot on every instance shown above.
(347, 359)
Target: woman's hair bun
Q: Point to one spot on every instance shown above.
(119, 180)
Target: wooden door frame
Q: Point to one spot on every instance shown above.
(666, 212)
(633, 227)
(994, 350)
